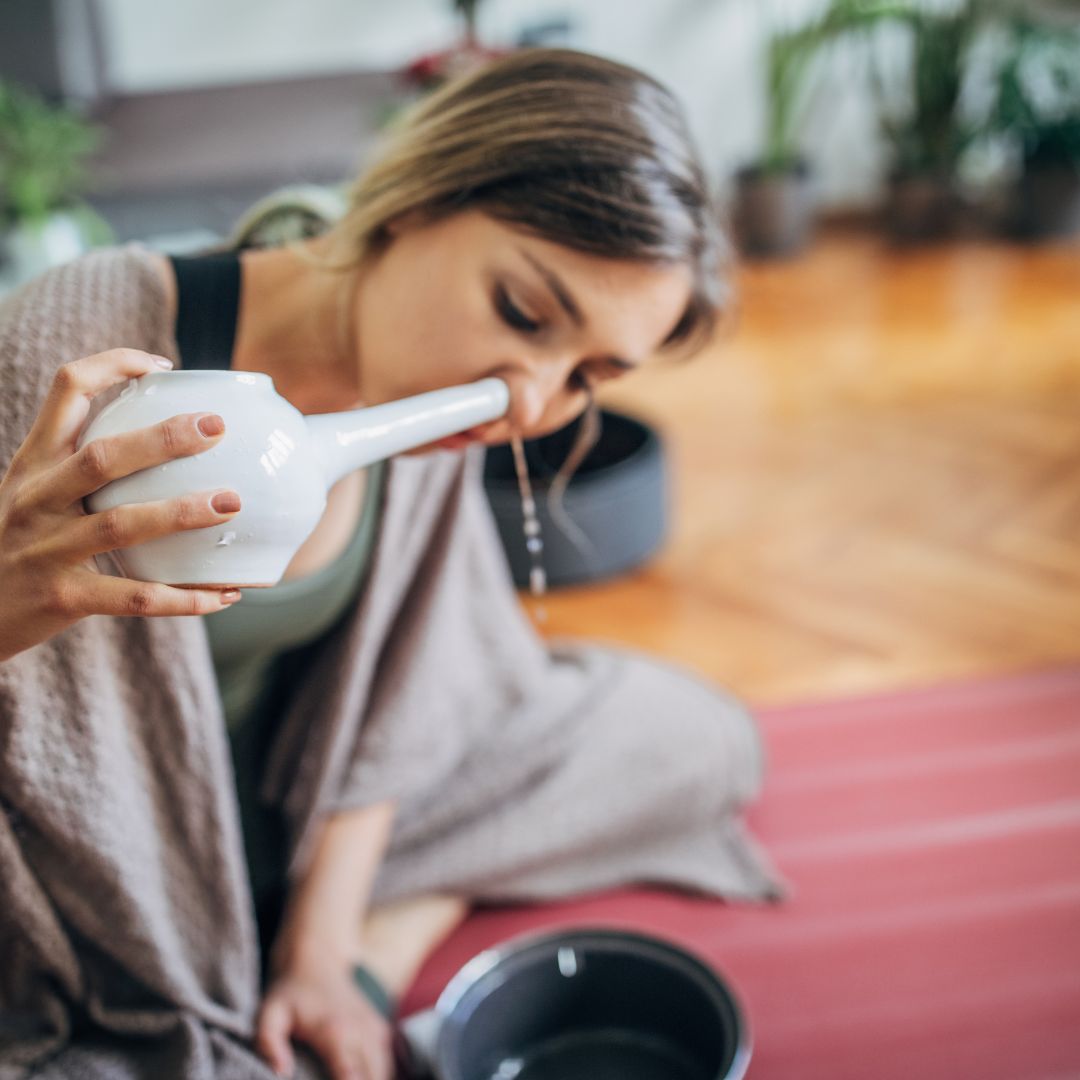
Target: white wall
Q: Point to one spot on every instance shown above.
(708, 51)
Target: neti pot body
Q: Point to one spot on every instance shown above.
(281, 463)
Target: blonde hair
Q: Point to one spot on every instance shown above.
(570, 147)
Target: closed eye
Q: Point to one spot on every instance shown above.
(598, 371)
(512, 315)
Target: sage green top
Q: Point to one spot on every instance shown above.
(246, 642)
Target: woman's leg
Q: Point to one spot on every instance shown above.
(645, 783)
(398, 937)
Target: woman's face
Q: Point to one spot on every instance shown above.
(469, 297)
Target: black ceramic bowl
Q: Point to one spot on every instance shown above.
(618, 498)
(582, 1005)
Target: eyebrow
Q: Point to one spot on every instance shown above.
(568, 303)
(562, 294)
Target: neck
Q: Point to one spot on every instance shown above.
(294, 326)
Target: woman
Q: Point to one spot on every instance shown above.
(401, 742)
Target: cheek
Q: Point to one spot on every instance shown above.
(411, 347)
(427, 338)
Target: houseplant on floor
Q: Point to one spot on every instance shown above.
(43, 148)
(774, 207)
(1038, 112)
(927, 131)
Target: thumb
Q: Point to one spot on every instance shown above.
(272, 1037)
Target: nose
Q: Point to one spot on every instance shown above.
(534, 391)
(527, 405)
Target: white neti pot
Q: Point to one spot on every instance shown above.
(281, 462)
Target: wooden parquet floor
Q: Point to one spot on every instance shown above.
(877, 477)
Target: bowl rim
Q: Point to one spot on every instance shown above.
(473, 971)
(652, 444)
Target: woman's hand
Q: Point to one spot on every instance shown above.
(318, 1003)
(48, 579)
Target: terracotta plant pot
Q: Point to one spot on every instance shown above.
(774, 211)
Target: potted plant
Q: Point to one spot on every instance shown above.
(42, 152)
(1038, 111)
(774, 203)
(928, 134)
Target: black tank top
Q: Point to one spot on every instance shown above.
(208, 305)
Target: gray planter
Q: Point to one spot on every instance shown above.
(1048, 202)
(920, 208)
(774, 212)
(618, 499)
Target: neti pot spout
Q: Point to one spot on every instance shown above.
(346, 441)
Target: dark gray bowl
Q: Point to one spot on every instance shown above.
(618, 498)
(587, 1004)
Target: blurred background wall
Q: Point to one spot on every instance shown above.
(709, 51)
(168, 121)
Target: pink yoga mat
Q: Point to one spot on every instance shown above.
(932, 844)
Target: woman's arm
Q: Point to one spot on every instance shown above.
(311, 996)
(324, 913)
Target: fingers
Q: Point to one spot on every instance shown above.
(345, 1051)
(103, 460)
(272, 1037)
(333, 1040)
(68, 402)
(135, 523)
(380, 1059)
(97, 594)
(331, 1017)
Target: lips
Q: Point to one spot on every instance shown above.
(464, 438)
(455, 442)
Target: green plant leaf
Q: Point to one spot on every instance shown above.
(794, 63)
(929, 133)
(43, 148)
(1038, 91)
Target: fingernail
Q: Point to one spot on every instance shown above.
(163, 362)
(226, 502)
(211, 425)
(230, 596)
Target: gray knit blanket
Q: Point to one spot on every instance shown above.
(128, 942)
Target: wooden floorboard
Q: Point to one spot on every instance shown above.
(877, 476)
